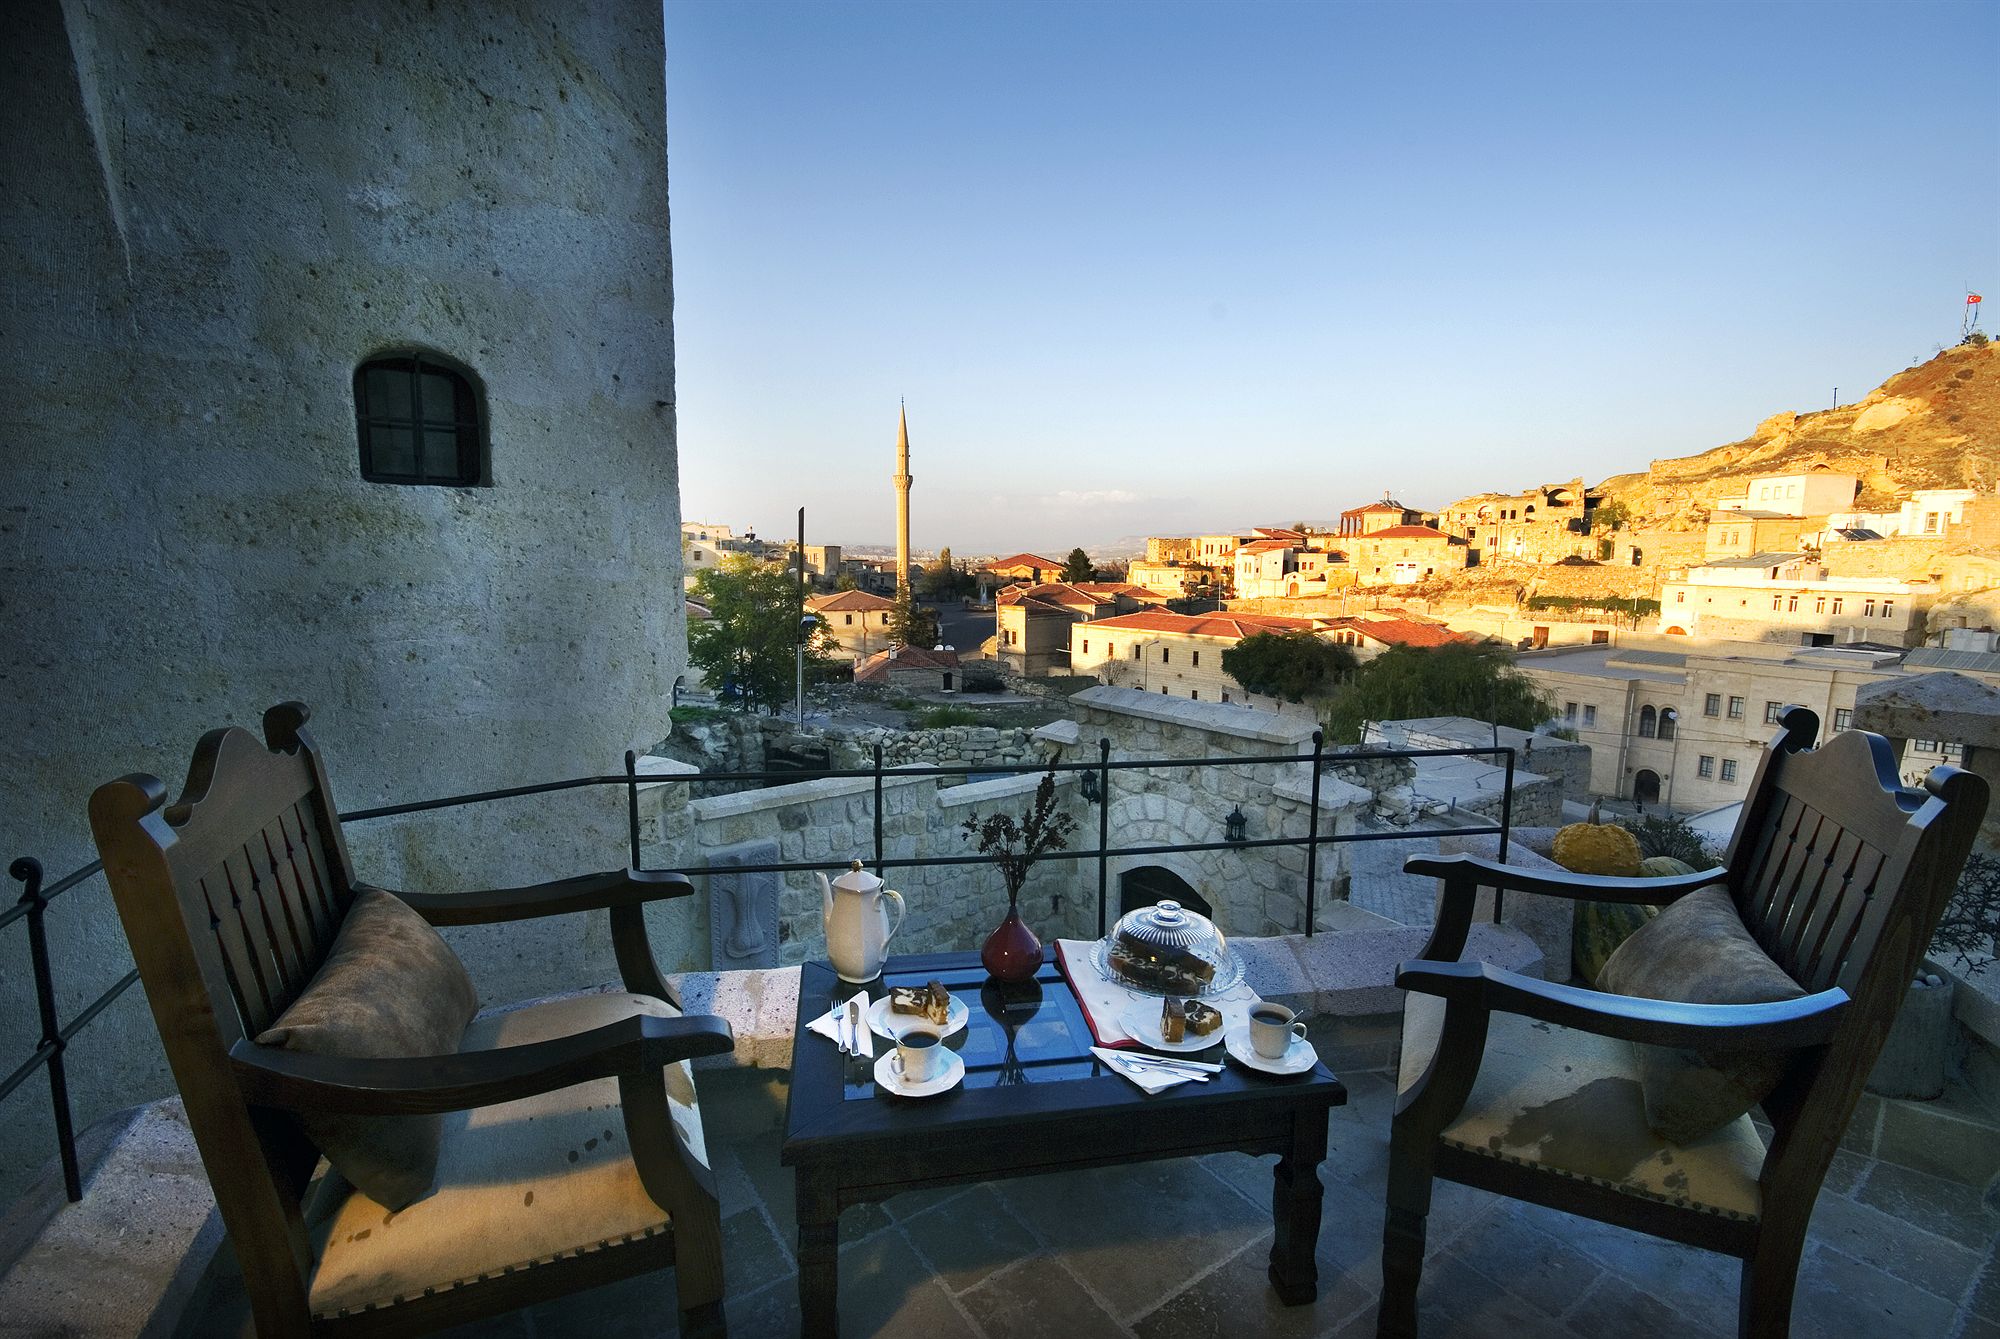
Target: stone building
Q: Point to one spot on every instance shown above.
(1739, 534)
(1682, 723)
(1791, 598)
(303, 407)
(1263, 566)
(1178, 655)
(857, 621)
(1032, 623)
(1401, 555)
(1818, 491)
(1172, 578)
(1544, 524)
(910, 669)
(1028, 567)
(1366, 520)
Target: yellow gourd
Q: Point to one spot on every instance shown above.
(1594, 847)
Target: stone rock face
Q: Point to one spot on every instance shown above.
(217, 214)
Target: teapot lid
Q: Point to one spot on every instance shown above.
(857, 879)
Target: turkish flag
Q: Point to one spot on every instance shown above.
(1971, 298)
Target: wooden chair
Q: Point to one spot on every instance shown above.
(231, 897)
(1839, 872)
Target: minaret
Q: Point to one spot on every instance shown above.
(903, 501)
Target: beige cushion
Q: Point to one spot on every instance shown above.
(1697, 951)
(390, 988)
(1568, 1103)
(517, 1184)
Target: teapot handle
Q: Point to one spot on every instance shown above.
(896, 924)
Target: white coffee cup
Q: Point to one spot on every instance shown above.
(919, 1058)
(1272, 1030)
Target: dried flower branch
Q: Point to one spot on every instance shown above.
(1015, 847)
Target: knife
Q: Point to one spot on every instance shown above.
(1168, 1063)
(854, 1025)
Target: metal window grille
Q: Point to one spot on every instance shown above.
(418, 422)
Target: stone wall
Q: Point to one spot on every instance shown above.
(215, 213)
(737, 742)
(831, 820)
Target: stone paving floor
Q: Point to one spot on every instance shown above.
(1173, 1250)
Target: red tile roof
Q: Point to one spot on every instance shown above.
(1233, 627)
(1125, 588)
(878, 665)
(848, 600)
(1268, 545)
(1056, 592)
(1406, 532)
(1402, 632)
(1023, 560)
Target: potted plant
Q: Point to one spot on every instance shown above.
(1012, 952)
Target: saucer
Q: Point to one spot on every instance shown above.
(891, 1026)
(954, 1070)
(1300, 1058)
(1144, 1025)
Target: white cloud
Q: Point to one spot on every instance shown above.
(1101, 497)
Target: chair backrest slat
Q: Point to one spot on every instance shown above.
(305, 858)
(1800, 826)
(1825, 936)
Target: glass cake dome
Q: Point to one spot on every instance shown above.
(1165, 949)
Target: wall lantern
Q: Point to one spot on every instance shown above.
(1236, 827)
(1092, 792)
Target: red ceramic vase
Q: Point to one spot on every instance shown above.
(1012, 953)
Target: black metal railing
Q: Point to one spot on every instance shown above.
(56, 1033)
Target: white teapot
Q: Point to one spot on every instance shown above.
(858, 927)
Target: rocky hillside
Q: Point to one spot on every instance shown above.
(1936, 425)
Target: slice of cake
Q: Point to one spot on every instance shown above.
(914, 1000)
(1202, 1019)
(1173, 1020)
(937, 1007)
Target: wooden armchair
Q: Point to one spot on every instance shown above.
(1838, 872)
(584, 1161)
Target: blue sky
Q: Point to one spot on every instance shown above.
(1169, 267)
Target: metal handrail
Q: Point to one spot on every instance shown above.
(36, 896)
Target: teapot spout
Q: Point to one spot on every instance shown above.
(825, 896)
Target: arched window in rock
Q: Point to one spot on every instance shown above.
(1668, 718)
(1648, 723)
(420, 421)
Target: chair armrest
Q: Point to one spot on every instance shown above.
(1810, 1021)
(631, 1047)
(586, 892)
(1477, 871)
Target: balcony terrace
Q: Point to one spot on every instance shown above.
(1902, 1243)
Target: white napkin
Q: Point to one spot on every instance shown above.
(830, 1023)
(1152, 1081)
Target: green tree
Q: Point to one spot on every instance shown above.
(751, 636)
(945, 579)
(1475, 679)
(910, 624)
(1077, 567)
(846, 580)
(1289, 665)
(1610, 516)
